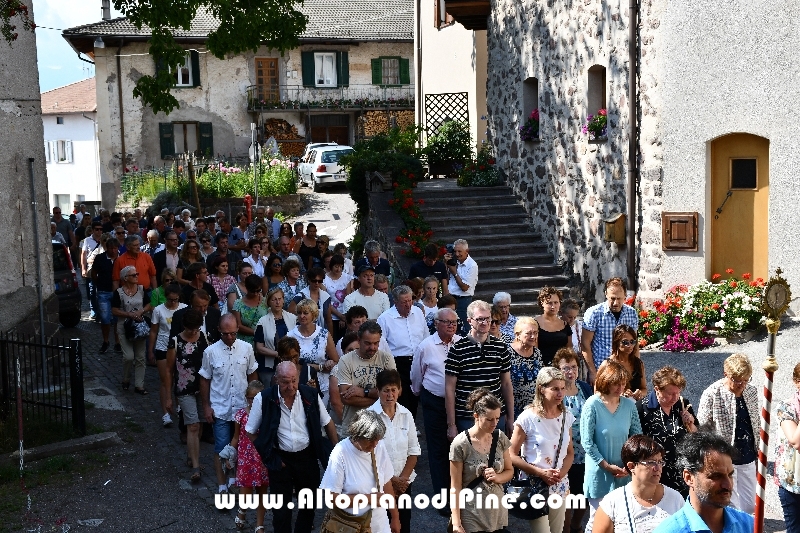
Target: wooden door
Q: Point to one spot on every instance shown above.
(740, 173)
(267, 79)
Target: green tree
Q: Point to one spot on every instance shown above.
(243, 25)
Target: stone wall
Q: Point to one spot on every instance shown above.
(568, 184)
(383, 224)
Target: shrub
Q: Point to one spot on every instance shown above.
(453, 142)
(481, 171)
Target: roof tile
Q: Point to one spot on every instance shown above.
(78, 97)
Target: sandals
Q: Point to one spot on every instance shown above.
(195, 475)
(240, 522)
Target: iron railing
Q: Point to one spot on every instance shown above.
(352, 97)
(42, 382)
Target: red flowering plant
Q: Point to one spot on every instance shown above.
(480, 171)
(688, 316)
(417, 233)
(10, 9)
(596, 125)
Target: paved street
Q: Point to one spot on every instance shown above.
(332, 211)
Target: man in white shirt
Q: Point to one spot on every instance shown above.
(228, 365)
(290, 442)
(463, 276)
(358, 370)
(89, 249)
(404, 327)
(427, 381)
(375, 302)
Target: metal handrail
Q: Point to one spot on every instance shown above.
(351, 97)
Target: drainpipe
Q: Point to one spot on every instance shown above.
(418, 37)
(121, 115)
(633, 147)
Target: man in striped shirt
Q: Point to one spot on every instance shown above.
(476, 361)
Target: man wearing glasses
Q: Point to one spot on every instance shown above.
(228, 365)
(478, 360)
(730, 406)
(90, 248)
(428, 382)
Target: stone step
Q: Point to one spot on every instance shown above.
(496, 246)
(449, 235)
(504, 261)
(520, 282)
(443, 189)
(504, 272)
(470, 201)
(456, 208)
(499, 240)
(519, 295)
(491, 216)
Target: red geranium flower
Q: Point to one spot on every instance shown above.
(715, 306)
(746, 275)
(715, 277)
(733, 284)
(398, 239)
(644, 314)
(729, 270)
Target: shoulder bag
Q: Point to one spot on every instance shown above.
(525, 489)
(477, 481)
(339, 521)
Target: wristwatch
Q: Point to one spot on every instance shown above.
(366, 392)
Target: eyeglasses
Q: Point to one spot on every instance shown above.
(97, 229)
(570, 369)
(447, 322)
(481, 320)
(135, 274)
(275, 265)
(741, 381)
(120, 232)
(169, 280)
(495, 322)
(653, 464)
(228, 333)
(627, 343)
(205, 240)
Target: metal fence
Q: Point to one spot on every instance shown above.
(42, 381)
(350, 97)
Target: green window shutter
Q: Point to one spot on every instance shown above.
(307, 66)
(343, 69)
(206, 143)
(405, 75)
(195, 61)
(166, 140)
(377, 72)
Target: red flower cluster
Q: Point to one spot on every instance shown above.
(417, 233)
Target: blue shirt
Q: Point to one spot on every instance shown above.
(687, 520)
(235, 236)
(602, 321)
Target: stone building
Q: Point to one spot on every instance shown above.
(350, 78)
(716, 101)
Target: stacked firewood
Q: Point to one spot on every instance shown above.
(280, 129)
(377, 122)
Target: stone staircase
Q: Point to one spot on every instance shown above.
(510, 256)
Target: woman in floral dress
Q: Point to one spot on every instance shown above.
(525, 362)
(250, 471)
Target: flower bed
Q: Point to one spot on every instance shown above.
(691, 316)
(418, 232)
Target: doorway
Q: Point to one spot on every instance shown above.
(740, 204)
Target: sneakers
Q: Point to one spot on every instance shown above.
(103, 348)
(118, 348)
(166, 420)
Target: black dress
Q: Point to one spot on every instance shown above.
(552, 341)
(307, 251)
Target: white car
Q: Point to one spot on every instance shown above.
(321, 166)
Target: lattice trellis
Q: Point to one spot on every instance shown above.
(439, 108)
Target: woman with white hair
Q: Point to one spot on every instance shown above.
(357, 466)
(128, 301)
(186, 216)
(502, 301)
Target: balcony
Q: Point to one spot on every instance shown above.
(352, 98)
(472, 14)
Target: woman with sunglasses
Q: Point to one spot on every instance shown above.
(237, 290)
(625, 350)
(641, 505)
(206, 246)
(494, 326)
(158, 296)
(273, 276)
(315, 291)
(128, 301)
(249, 310)
(189, 254)
(159, 338)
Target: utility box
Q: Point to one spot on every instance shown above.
(679, 231)
(615, 229)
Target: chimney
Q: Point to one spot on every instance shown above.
(106, 9)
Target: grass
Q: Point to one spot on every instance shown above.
(37, 430)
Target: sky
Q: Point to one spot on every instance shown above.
(58, 62)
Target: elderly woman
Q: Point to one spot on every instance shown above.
(472, 468)
(186, 216)
(400, 439)
(541, 444)
(129, 301)
(357, 466)
(270, 329)
(569, 313)
(607, 421)
(315, 291)
(667, 417)
(554, 333)
(249, 310)
(316, 343)
(293, 282)
(494, 327)
(625, 350)
(502, 301)
(644, 503)
(525, 362)
(576, 393)
(159, 338)
(730, 406)
(787, 462)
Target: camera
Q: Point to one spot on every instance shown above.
(452, 261)
(450, 248)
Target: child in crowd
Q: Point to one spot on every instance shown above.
(252, 474)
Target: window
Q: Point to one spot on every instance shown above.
(391, 71)
(267, 79)
(530, 101)
(596, 96)
(80, 198)
(183, 73)
(47, 158)
(744, 173)
(62, 201)
(325, 70)
(441, 18)
(59, 120)
(58, 151)
(186, 138)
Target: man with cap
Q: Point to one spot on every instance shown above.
(375, 302)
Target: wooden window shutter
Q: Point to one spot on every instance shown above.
(206, 142)
(165, 137)
(195, 61)
(68, 151)
(307, 67)
(377, 72)
(679, 231)
(405, 74)
(437, 21)
(342, 69)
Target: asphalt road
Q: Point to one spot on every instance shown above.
(332, 211)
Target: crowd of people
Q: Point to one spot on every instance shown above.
(283, 354)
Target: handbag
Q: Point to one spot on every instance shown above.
(525, 489)
(338, 521)
(136, 330)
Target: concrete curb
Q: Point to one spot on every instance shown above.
(89, 442)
